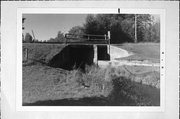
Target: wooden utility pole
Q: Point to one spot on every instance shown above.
(135, 28)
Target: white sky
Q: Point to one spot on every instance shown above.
(46, 26)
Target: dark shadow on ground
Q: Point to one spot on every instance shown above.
(130, 93)
(88, 101)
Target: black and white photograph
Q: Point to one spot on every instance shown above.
(91, 59)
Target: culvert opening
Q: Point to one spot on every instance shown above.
(73, 57)
(103, 52)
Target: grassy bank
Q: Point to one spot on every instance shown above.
(142, 51)
(38, 52)
(43, 85)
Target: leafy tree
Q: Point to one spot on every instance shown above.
(122, 27)
(102, 23)
(51, 40)
(148, 29)
(156, 31)
(28, 38)
(91, 25)
(59, 38)
(76, 30)
(143, 24)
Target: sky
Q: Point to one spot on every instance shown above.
(46, 26)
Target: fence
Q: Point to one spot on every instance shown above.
(87, 39)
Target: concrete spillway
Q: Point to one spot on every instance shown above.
(116, 53)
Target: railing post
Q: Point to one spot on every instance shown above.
(109, 38)
(95, 54)
(109, 35)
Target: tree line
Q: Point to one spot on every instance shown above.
(121, 26)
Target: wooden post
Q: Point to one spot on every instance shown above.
(95, 54)
(26, 55)
(109, 37)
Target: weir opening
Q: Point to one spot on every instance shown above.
(73, 57)
(82, 51)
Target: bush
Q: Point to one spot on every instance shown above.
(93, 79)
(28, 38)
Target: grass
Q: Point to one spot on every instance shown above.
(146, 75)
(142, 51)
(99, 86)
(43, 83)
(41, 52)
(124, 86)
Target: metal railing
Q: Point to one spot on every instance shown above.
(87, 38)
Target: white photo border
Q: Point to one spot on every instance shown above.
(21, 11)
